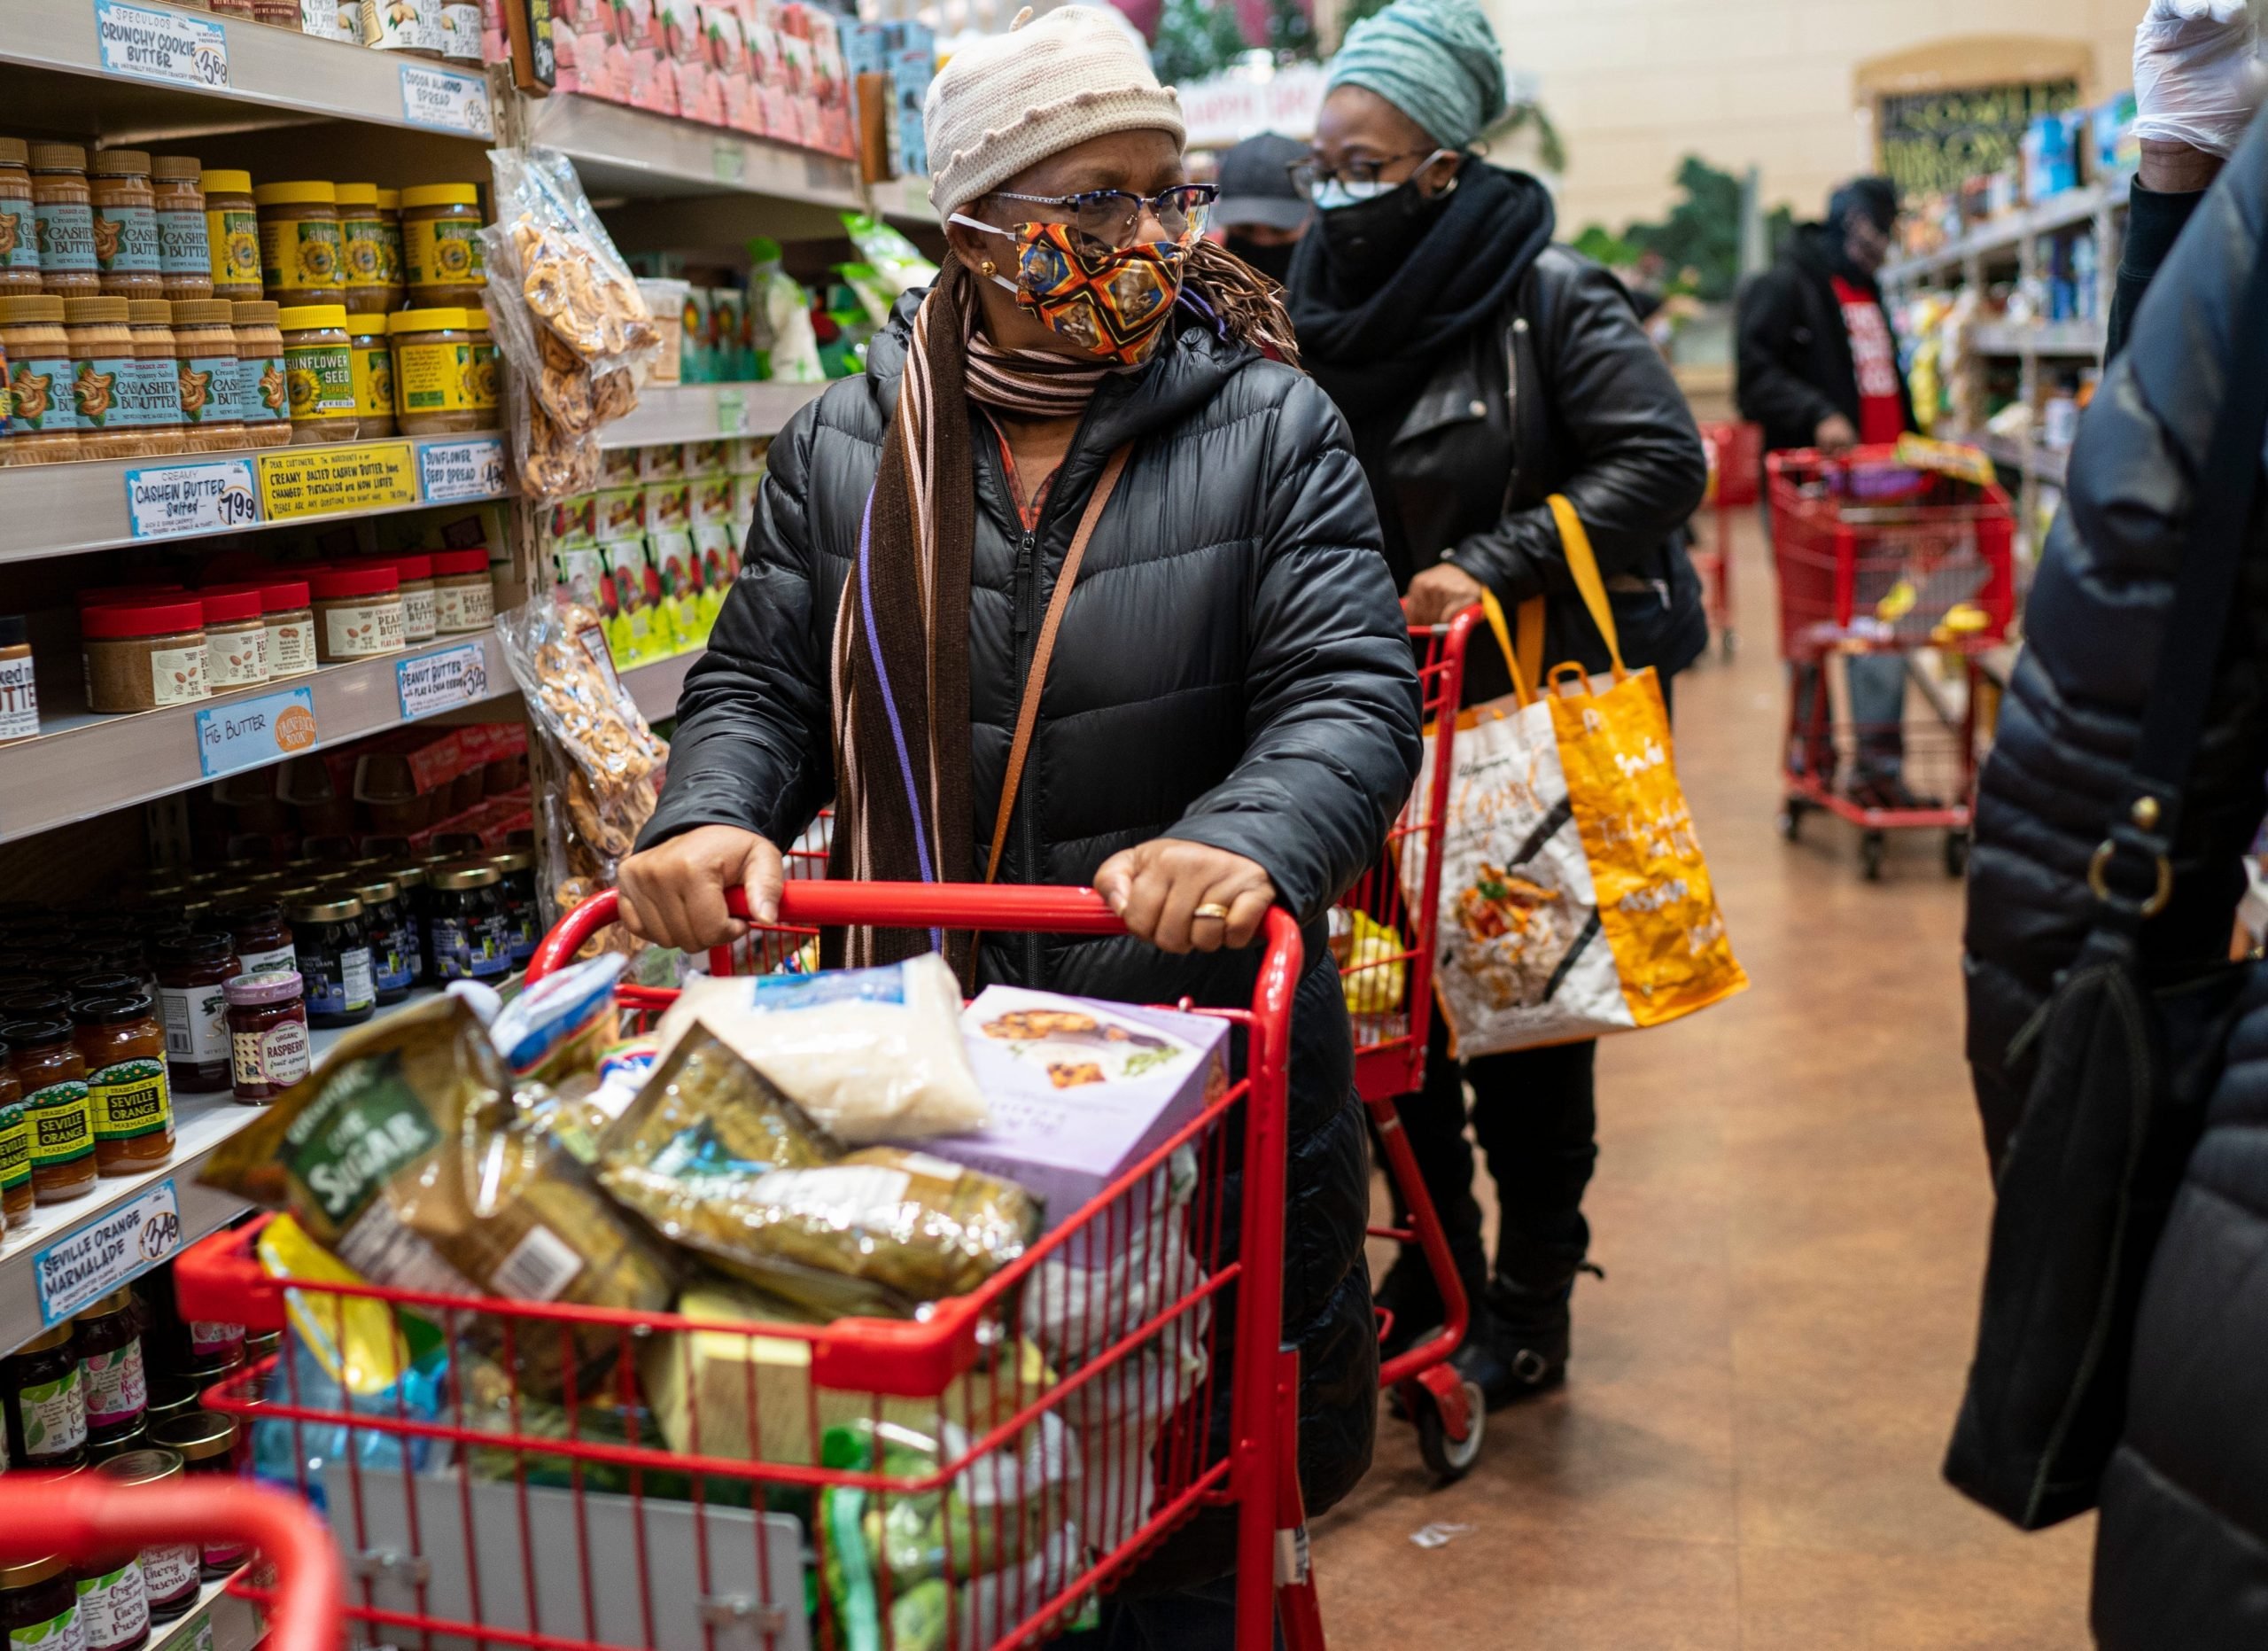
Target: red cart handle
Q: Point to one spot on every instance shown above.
(817, 902)
(83, 1517)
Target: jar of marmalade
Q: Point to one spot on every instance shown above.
(15, 1151)
(54, 1083)
(124, 1048)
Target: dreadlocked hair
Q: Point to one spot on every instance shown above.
(1244, 302)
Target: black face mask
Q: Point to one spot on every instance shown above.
(1367, 239)
(1273, 261)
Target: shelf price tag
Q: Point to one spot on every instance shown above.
(732, 412)
(250, 733)
(438, 681)
(445, 100)
(730, 162)
(165, 500)
(149, 43)
(108, 1252)
(449, 472)
(329, 480)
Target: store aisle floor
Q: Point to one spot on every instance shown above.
(1790, 1207)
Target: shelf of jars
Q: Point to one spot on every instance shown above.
(93, 504)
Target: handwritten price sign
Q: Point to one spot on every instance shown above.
(163, 500)
(249, 733)
(179, 48)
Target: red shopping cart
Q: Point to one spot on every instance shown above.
(52, 1524)
(1735, 452)
(1386, 968)
(965, 1479)
(1878, 559)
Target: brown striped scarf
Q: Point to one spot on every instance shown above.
(899, 674)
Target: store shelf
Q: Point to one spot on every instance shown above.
(2002, 235)
(907, 199)
(655, 685)
(261, 76)
(61, 510)
(219, 1620)
(702, 412)
(201, 1124)
(86, 764)
(2042, 463)
(636, 154)
(2039, 338)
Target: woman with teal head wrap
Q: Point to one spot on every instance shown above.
(1428, 288)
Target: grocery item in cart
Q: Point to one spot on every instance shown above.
(871, 1054)
(716, 1158)
(1080, 1091)
(403, 1157)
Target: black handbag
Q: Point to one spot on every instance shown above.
(2123, 1061)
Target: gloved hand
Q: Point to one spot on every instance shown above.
(2198, 77)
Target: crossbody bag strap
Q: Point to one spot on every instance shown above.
(1044, 650)
(2189, 653)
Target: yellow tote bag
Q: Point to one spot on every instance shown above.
(1574, 897)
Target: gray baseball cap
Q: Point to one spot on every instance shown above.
(1256, 184)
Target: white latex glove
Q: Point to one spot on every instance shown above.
(2198, 77)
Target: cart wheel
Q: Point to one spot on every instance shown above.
(1871, 848)
(1956, 854)
(1448, 1459)
(1729, 644)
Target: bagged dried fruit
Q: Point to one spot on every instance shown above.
(404, 1156)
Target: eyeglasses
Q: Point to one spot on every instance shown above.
(1113, 216)
(1310, 174)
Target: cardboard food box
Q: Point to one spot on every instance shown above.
(572, 523)
(712, 501)
(664, 461)
(704, 458)
(621, 515)
(1080, 1090)
(668, 506)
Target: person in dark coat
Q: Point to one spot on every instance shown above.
(1484, 368)
(1817, 367)
(1231, 720)
(2181, 1553)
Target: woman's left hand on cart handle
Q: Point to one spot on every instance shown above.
(674, 893)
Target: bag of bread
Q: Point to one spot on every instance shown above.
(404, 1156)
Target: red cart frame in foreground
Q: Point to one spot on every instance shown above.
(1139, 1338)
(1876, 557)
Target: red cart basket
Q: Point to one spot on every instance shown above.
(1735, 452)
(1877, 557)
(965, 1480)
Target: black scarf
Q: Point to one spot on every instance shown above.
(1375, 352)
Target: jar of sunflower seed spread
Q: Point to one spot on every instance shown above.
(444, 262)
(319, 371)
(363, 251)
(432, 360)
(374, 392)
(300, 243)
(232, 234)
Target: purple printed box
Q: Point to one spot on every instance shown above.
(1080, 1091)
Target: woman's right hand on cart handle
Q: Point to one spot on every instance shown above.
(674, 893)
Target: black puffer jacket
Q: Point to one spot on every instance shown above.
(1793, 351)
(1233, 669)
(2182, 1545)
(1563, 394)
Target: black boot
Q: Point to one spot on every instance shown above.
(1519, 1341)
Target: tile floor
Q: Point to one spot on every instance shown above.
(1790, 1208)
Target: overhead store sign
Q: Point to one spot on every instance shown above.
(1933, 141)
(153, 44)
(1232, 108)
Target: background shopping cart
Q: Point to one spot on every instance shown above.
(1879, 558)
(1735, 452)
(1138, 1338)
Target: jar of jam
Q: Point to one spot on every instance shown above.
(169, 1396)
(268, 1034)
(172, 1573)
(408, 877)
(39, 1605)
(126, 225)
(53, 1079)
(334, 948)
(193, 972)
(47, 1407)
(392, 941)
(522, 921)
(35, 1003)
(263, 941)
(469, 937)
(124, 1048)
(206, 1442)
(106, 982)
(112, 1376)
(216, 1349)
(184, 254)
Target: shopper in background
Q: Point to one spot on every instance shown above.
(2181, 1547)
(1818, 368)
(1231, 720)
(1428, 289)
(1263, 216)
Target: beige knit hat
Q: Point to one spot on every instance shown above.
(1009, 101)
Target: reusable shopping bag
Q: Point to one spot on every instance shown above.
(1574, 899)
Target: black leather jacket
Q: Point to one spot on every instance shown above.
(1565, 394)
(2181, 1553)
(1232, 668)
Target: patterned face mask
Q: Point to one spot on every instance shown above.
(1114, 301)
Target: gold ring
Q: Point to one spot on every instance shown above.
(1212, 908)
